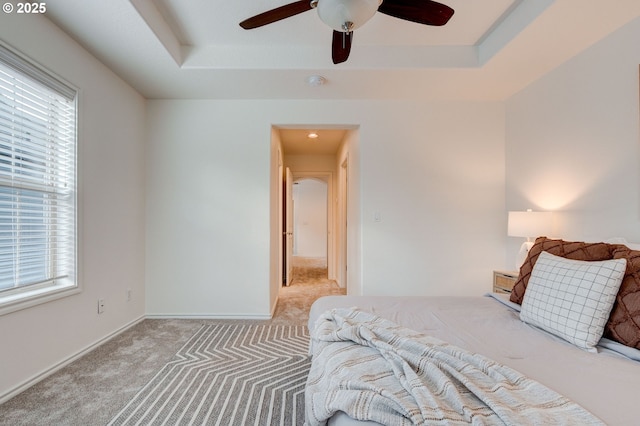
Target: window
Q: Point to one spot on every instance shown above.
(37, 184)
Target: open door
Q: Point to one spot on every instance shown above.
(288, 233)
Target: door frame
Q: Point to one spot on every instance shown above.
(350, 251)
(342, 223)
(287, 250)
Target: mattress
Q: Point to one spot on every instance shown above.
(604, 383)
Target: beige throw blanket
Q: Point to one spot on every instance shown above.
(372, 369)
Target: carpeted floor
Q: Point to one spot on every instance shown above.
(228, 374)
(309, 283)
(95, 388)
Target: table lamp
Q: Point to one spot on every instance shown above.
(527, 224)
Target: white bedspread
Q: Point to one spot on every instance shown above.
(374, 369)
(606, 383)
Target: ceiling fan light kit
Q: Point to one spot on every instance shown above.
(344, 16)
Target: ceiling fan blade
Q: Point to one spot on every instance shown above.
(425, 12)
(341, 46)
(277, 14)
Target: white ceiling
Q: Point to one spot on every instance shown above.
(297, 142)
(195, 48)
(207, 23)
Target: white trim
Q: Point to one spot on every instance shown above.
(275, 305)
(25, 65)
(54, 368)
(29, 299)
(209, 316)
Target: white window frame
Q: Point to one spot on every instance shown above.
(58, 284)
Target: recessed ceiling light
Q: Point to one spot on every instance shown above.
(312, 135)
(316, 80)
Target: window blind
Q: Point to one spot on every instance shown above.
(37, 176)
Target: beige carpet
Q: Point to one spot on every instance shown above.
(308, 284)
(91, 390)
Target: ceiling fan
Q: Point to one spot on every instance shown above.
(344, 16)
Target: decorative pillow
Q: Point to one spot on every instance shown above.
(624, 322)
(571, 298)
(567, 249)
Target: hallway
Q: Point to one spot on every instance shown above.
(309, 283)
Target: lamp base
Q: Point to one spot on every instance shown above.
(522, 254)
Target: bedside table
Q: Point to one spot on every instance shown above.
(503, 281)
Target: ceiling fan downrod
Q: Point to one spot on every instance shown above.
(347, 27)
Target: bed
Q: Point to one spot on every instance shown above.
(601, 379)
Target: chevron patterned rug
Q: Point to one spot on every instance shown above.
(228, 374)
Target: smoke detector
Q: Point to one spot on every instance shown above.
(316, 80)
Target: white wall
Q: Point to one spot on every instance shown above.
(434, 175)
(435, 171)
(208, 209)
(111, 206)
(573, 143)
(310, 218)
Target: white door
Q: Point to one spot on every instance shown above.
(288, 227)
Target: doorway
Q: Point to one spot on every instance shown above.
(321, 159)
(310, 226)
(308, 221)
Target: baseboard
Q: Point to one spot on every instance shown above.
(49, 371)
(209, 316)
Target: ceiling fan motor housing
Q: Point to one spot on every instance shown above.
(337, 14)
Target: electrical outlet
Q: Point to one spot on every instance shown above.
(100, 306)
(128, 295)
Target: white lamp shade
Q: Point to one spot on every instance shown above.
(335, 13)
(529, 224)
